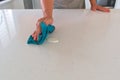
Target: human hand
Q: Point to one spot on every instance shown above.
(47, 20)
(100, 8)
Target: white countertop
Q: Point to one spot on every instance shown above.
(89, 47)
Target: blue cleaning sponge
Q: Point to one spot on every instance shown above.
(45, 31)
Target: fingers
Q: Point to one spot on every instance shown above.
(35, 37)
(93, 8)
(39, 21)
(100, 8)
(48, 21)
(36, 33)
(38, 29)
(33, 34)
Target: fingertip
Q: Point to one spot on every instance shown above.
(34, 38)
(32, 35)
(109, 10)
(93, 9)
(46, 23)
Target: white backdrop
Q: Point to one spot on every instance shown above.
(36, 4)
(117, 5)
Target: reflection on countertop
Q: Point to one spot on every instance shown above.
(7, 27)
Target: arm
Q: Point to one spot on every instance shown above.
(93, 2)
(47, 7)
(95, 7)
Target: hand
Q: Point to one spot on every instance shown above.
(47, 20)
(100, 8)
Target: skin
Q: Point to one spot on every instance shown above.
(47, 8)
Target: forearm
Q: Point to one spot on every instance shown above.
(47, 7)
(93, 2)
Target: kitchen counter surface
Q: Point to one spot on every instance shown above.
(88, 48)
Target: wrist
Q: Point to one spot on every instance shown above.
(47, 13)
(93, 3)
(47, 16)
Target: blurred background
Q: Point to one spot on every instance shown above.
(68, 4)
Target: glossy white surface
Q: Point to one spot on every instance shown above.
(88, 48)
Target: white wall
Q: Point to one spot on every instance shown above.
(87, 4)
(7, 4)
(117, 5)
(36, 4)
(18, 4)
(12, 4)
